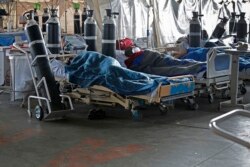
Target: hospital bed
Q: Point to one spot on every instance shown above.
(103, 96)
(163, 95)
(217, 76)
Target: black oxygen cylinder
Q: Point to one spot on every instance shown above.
(90, 31)
(84, 17)
(249, 34)
(108, 35)
(77, 28)
(53, 31)
(219, 29)
(241, 28)
(42, 66)
(36, 17)
(195, 31)
(1, 22)
(232, 24)
(45, 17)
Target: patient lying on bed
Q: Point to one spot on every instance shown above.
(200, 54)
(92, 68)
(153, 62)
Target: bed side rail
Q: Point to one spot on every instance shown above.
(214, 59)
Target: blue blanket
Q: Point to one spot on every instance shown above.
(200, 54)
(7, 39)
(244, 62)
(92, 68)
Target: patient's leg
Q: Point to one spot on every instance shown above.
(171, 61)
(174, 70)
(155, 59)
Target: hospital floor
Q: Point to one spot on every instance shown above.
(181, 138)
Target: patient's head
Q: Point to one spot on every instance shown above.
(204, 35)
(131, 50)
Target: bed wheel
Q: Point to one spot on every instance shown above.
(191, 103)
(39, 113)
(136, 115)
(210, 98)
(164, 109)
(243, 90)
(194, 106)
(225, 94)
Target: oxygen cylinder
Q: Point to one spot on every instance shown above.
(195, 31)
(42, 66)
(108, 35)
(249, 34)
(90, 31)
(1, 22)
(53, 31)
(77, 29)
(241, 28)
(36, 17)
(45, 17)
(219, 29)
(84, 17)
(232, 24)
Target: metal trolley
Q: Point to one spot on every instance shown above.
(43, 110)
(226, 134)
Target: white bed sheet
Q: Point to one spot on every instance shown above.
(58, 69)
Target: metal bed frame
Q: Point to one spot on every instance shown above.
(163, 95)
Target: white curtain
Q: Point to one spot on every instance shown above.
(167, 19)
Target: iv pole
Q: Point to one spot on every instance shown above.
(200, 15)
(148, 31)
(65, 15)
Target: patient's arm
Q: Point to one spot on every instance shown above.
(177, 51)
